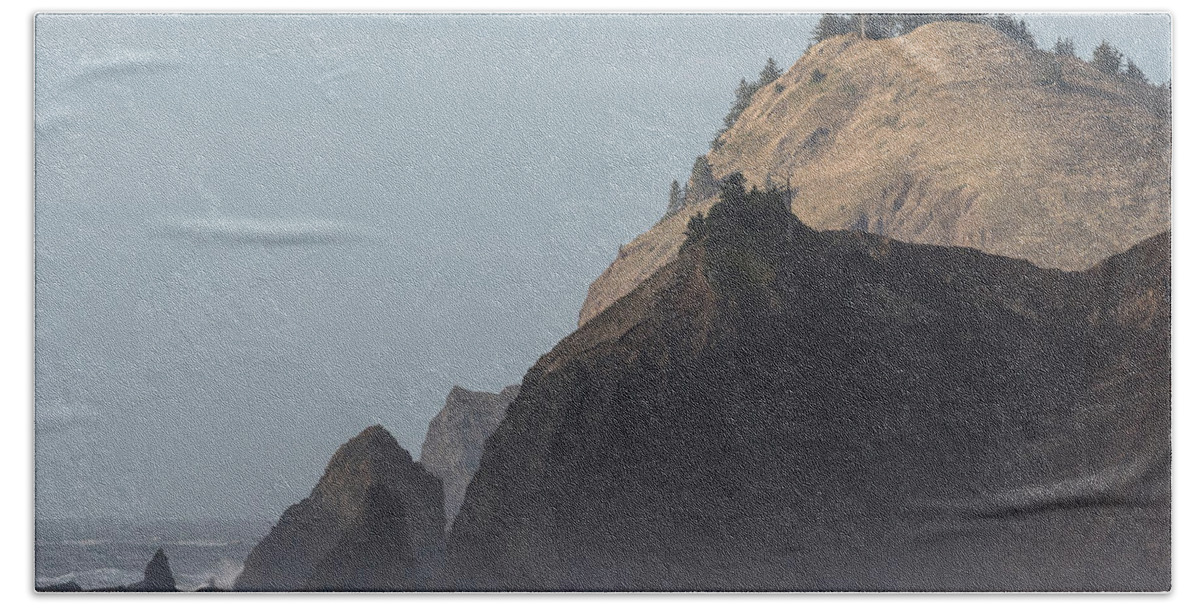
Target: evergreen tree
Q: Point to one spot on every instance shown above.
(1106, 58)
(1016, 29)
(769, 73)
(733, 188)
(963, 17)
(702, 184)
(1161, 100)
(675, 198)
(1135, 73)
(876, 26)
(747, 217)
(1064, 47)
(831, 25)
(745, 91)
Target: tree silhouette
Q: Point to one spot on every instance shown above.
(747, 217)
(831, 25)
(875, 26)
(1106, 58)
(742, 95)
(1064, 47)
(702, 184)
(675, 198)
(769, 73)
(733, 187)
(1134, 73)
(1013, 28)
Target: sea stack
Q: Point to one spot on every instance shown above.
(374, 522)
(456, 436)
(158, 576)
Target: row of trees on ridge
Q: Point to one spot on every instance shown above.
(876, 26)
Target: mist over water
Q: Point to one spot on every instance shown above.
(257, 235)
(97, 553)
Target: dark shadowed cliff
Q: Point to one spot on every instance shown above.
(455, 439)
(373, 522)
(782, 408)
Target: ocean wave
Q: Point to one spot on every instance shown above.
(222, 577)
(93, 579)
(205, 543)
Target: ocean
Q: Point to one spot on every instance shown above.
(103, 553)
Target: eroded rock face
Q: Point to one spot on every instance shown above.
(455, 439)
(950, 135)
(782, 408)
(373, 522)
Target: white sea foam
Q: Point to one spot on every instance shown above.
(205, 543)
(222, 577)
(93, 579)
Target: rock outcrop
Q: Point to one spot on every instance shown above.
(158, 576)
(455, 439)
(781, 408)
(952, 135)
(374, 522)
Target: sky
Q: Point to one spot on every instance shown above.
(1143, 38)
(255, 235)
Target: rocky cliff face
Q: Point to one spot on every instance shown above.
(952, 135)
(374, 522)
(455, 439)
(783, 408)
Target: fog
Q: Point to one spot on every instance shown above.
(258, 234)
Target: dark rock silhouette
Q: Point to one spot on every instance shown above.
(157, 578)
(158, 575)
(373, 554)
(786, 409)
(374, 522)
(455, 439)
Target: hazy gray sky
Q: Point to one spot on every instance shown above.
(256, 235)
(1143, 38)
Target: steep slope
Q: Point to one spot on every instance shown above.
(455, 439)
(953, 135)
(373, 522)
(781, 408)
